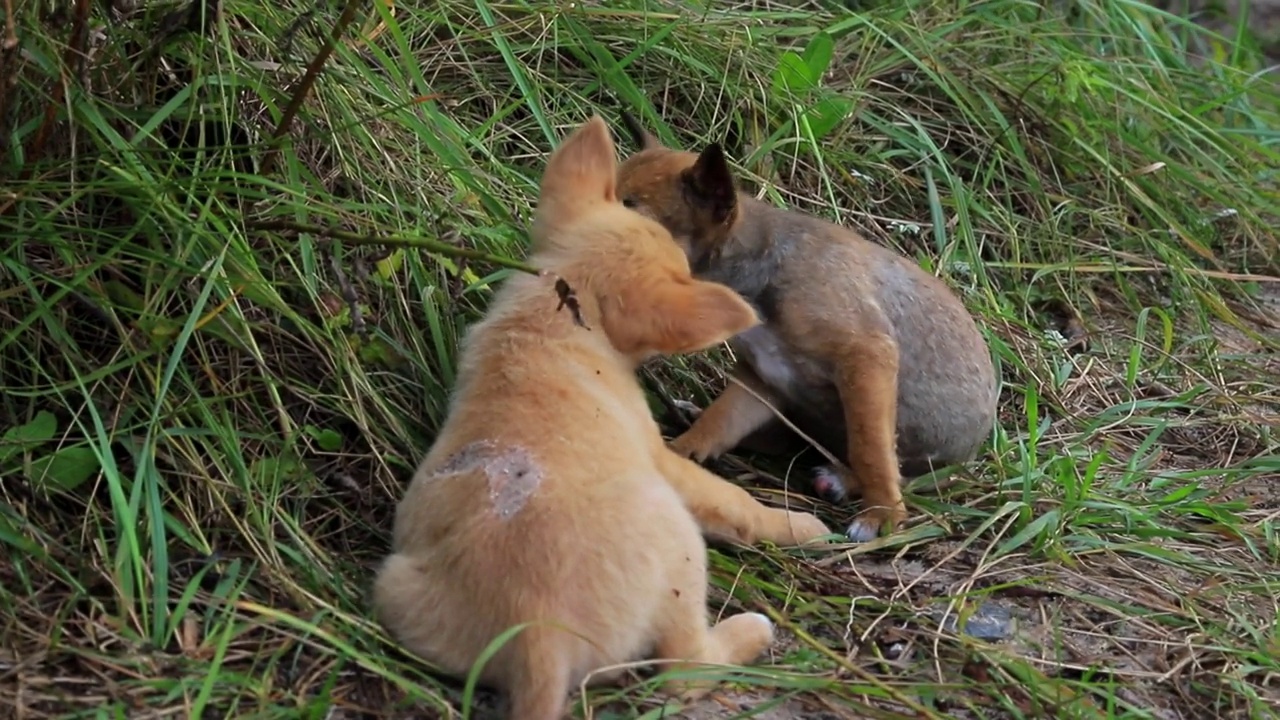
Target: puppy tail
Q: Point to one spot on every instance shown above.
(539, 684)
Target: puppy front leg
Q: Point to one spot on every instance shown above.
(867, 377)
(728, 419)
(726, 511)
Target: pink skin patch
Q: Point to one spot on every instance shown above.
(512, 473)
(828, 485)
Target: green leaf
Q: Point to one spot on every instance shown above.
(328, 440)
(791, 76)
(21, 437)
(377, 351)
(11, 535)
(67, 468)
(800, 74)
(817, 56)
(269, 471)
(828, 113)
(390, 265)
(123, 295)
(160, 330)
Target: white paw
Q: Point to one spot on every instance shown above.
(762, 619)
(761, 636)
(863, 530)
(687, 407)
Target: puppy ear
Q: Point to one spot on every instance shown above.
(681, 315)
(710, 183)
(642, 138)
(580, 174)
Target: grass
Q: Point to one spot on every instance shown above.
(209, 409)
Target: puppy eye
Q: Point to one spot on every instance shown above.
(629, 202)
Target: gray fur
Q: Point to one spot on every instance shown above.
(946, 399)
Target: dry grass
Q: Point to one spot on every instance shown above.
(206, 424)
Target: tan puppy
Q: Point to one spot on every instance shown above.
(549, 496)
(865, 352)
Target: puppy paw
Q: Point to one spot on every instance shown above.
(828, 485)
(693, 446)
(743, 638)
(871, 523)
(688, 408)
(863, 530)
(736, 640)
(757, 635)
(800, 528)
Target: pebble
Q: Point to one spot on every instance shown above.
(988, 622)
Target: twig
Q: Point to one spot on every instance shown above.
(10, 27)
(71, 63)
(434, 246)
(818, 446)
(9, 46)
(308, 79)
(567, 295)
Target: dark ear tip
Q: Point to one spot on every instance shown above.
(713, 163)
(713, 156)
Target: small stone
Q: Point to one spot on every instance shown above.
(989, 622)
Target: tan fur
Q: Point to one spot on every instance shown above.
(549, 496)
(868, 354)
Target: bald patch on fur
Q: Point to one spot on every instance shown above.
(512, 473)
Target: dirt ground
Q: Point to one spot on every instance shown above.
(1049, 628)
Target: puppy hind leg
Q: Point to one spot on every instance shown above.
(830, 482)
(687, 641)
(540, 674)
(822, 434)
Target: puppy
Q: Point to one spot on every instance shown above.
(875, 359)
(550, 497)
